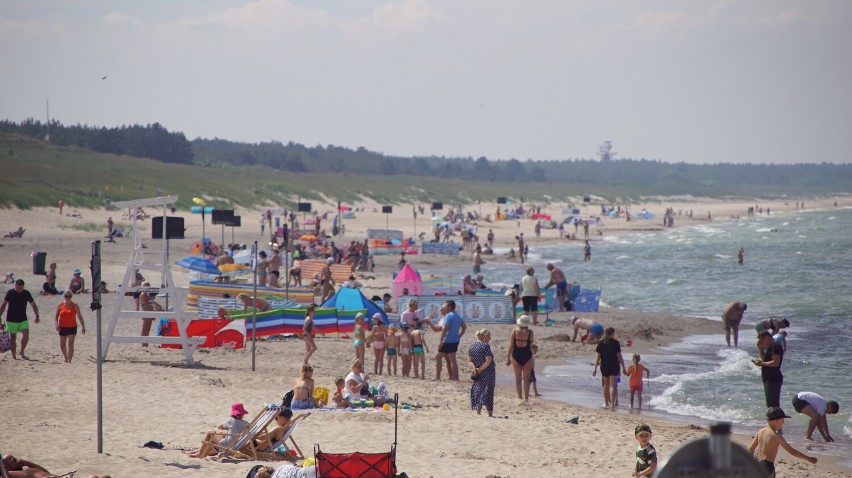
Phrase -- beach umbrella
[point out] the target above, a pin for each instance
(199, 265)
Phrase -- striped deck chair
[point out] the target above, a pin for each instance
(243, 446)
(296, 452)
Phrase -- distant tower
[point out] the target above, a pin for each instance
(605, 151)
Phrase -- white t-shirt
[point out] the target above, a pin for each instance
(235, 427)
(359, 380)
(410, 318)
(814, 400)
(528, 286)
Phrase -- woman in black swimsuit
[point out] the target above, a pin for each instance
(609, 359)
(520, 355)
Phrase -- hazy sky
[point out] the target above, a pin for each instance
(693, 81)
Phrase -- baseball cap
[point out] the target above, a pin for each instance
(774, 413)
(642, 428)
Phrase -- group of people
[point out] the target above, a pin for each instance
(77, 285)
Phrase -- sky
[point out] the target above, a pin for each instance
(759, 81)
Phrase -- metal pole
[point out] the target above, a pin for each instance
(202, 232)
(96, 306)
(254, 309)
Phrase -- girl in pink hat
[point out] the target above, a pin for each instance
(234, 426)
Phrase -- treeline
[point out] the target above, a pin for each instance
(151, 141)
(155, 142)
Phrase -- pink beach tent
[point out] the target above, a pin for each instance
(407, 279)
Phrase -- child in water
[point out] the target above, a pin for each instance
(635, 372)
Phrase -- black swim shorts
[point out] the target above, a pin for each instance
(530, 303)
(66, 331)
(799, 404)
(448, 348)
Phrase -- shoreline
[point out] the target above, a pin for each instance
(150, 395)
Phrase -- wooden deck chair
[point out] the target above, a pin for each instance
(243, 447)
(288, 435)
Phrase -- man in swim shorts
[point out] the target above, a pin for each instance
(594, 330)
(16, 319)
(452, 329)
(557, 277)
(731, 318)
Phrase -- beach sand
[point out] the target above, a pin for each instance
(49, 411)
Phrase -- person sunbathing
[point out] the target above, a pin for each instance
(269, 441)
(19, 468)
(234, 427)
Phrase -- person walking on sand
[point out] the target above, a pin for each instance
(530, 291)
(611, 362)
(16, 319)
(731, 318)
(766, 442)
(816, 408)
(60, 205)
(67, 315)
(771, 357)
(308, 333)
(520, 356)
(110, 226)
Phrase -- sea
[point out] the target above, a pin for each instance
(798, 266)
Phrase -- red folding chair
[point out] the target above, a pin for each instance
(357, 464)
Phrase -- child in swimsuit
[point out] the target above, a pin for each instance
(338, 398)
(419, 357)
(534, 348)
(358, 341)
(392, 341)
(377, 339)
(405, 349)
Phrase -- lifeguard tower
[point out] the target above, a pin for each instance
(156, 262)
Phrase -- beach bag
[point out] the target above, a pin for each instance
(5, 340)
(287, 399)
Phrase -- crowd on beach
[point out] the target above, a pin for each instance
(404, 348)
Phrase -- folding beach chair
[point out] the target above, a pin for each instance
(243, 446)
(288, 435)
(357, 464)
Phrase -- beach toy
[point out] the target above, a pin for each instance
(548, 322)
(629, 342)
(309, 462)
(386, 407)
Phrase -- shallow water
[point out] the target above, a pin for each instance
(797, 266)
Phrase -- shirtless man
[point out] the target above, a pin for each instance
(326, 282)
(594, 330)
(557, 278)
(18, 468)
(255, 303)
(731, 318)
(767, 441)
(419, 349)
(274, 268)
(477, 260)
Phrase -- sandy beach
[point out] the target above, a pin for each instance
(149, 394)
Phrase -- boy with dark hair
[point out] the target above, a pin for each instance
(646, 454)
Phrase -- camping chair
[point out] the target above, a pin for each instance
(357, 464)
(288, 435)
(243, 446)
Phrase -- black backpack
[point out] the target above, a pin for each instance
(287, 399)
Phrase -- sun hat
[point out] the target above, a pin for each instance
(642, 428)
(359, 314)
(774, 413)
(77, 272)
(523, 321)
(238, 409)
(377, 316)
(330, 260)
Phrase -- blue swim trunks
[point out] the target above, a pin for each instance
(562, 288)
(596, 329)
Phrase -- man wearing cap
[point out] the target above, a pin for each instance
(771, 356)
(767, 440)
(731, 318)
(16, 320)
(815, 407)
